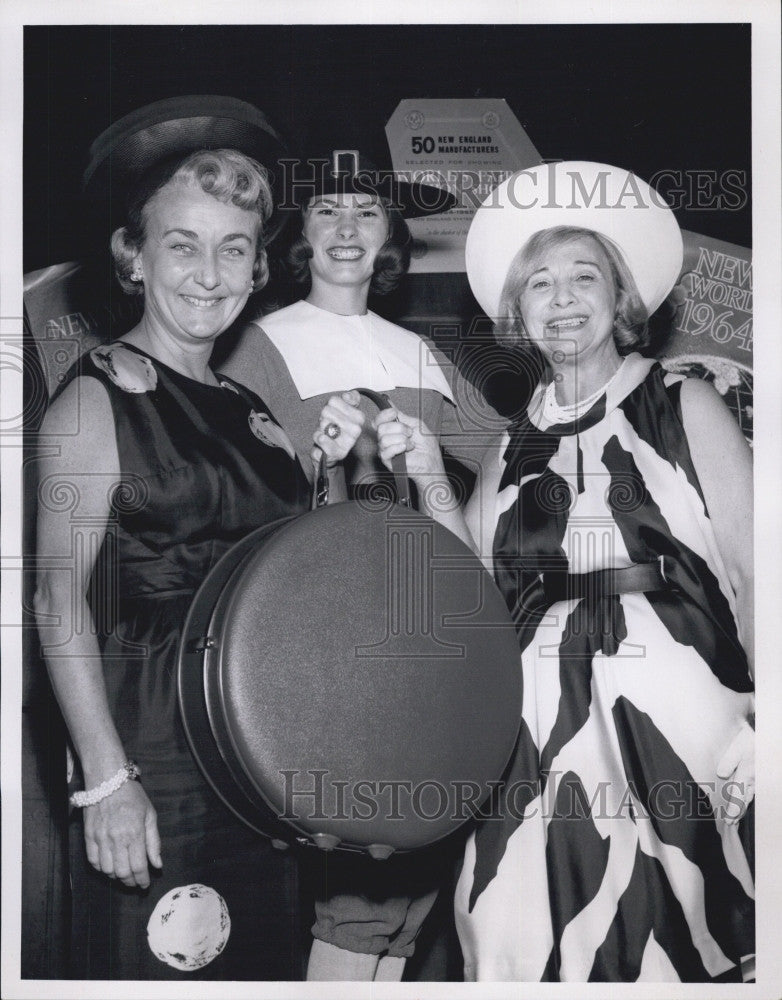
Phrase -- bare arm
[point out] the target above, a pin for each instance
(479, 512)
(120, 831)
(723, 462)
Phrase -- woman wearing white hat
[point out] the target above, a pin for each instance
(617, 516)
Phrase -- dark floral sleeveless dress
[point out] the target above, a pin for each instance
(606, 855)
(201, 466)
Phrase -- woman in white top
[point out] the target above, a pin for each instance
(354, 241)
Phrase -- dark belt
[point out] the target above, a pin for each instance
(604, 582)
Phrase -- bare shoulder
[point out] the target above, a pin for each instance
(80, 421)
(707, 419)
(697, 392)
(723, 462)
(84, 397)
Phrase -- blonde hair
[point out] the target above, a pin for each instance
(226, 174)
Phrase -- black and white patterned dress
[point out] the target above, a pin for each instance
(607, 856)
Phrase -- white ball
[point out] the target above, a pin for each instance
(189, 927)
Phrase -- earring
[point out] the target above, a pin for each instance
(135, 275)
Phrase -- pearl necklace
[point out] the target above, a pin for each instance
(565, 413)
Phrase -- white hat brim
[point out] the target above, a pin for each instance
(608, 200)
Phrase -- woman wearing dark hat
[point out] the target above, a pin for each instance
(353, 241)
(617, 515)
(168, 464)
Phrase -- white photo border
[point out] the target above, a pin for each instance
(764, 17)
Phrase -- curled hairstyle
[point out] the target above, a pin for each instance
(630, 328)
(391, 262)
(226, 174)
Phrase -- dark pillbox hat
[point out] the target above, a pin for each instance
(177, 126)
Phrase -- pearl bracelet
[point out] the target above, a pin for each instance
(128, 772)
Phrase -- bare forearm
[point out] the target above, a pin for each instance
(120, 829)
(74, 664)
(438, 500)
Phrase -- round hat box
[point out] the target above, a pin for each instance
(350, 678)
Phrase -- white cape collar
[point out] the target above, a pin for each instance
(326, 352)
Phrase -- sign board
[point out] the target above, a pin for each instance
(468, 146)
(712, 337)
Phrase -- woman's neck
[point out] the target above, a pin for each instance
(581, 377)
(191, 360)
(345, 300)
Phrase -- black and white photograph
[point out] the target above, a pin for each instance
(391, 558)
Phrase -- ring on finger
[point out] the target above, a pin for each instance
(332, 431)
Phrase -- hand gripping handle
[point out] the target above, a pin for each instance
(398, 462)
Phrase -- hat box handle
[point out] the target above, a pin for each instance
(398, 462)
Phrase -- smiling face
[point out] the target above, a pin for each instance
(568, 300)
(197, 261)
(345, 232)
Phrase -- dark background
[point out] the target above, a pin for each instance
(646, 97)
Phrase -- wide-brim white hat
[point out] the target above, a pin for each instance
(609, 200)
